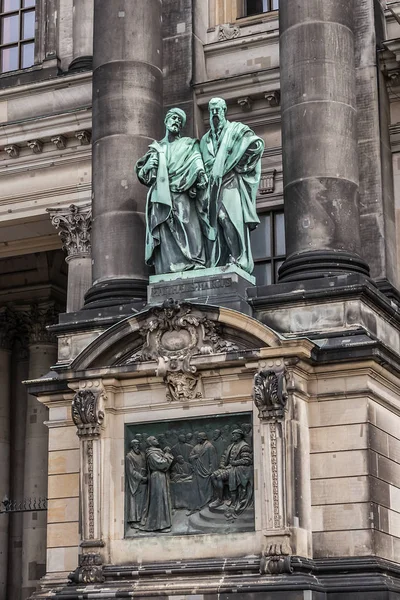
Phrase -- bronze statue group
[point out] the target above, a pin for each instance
(190, 475)
(201, 204)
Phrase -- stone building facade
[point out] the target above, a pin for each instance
(304, 366)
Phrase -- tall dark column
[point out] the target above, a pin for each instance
(319, 139)
(127, 116)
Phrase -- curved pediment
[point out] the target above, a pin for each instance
(172, 334)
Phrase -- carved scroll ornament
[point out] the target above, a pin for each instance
(85, 413)
(174, 334)
(270, 395)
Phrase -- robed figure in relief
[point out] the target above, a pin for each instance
(136, 475)
(178, 233)
(157, 515)
(232, 158)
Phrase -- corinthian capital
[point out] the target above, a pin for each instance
(8, 328)
(36, 320)
(74, 226)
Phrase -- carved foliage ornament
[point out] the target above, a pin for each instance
(174, 334)
(276, 559)
(74, 224)
(270, 395)
(228, 32)
(85, 413)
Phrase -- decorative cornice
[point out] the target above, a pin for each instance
(59, 141)
(86, 415)
(245, 103)
(35, 145)
(267, 183)
(74, 225)
(273, 98)
(12, 150)
(270, 395)
(84, 136)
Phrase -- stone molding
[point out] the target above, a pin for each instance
(276, 558)
(273, 98)
(182, 386)
(35, 145)
(90, 570)
(12, 150)
(228, 32)
(84, 137)
(74, 226)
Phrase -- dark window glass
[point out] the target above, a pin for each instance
(255, 7)
(268, 246)
(17, 35)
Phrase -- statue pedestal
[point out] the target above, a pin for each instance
(219, 286)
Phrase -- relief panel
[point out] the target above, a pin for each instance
(192, 476)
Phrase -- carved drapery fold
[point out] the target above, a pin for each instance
(74, 225)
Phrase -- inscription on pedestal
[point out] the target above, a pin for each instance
(190, 287)
(189, 476)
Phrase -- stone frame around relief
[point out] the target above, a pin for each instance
(184, 489)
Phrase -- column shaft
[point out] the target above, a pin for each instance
(320, 163)
(41, 356)
(19, 373)
(127, 116)
(82, 34)
(5, 356)
(79, 281)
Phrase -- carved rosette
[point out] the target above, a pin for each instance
(270, 395)
(174, 334)
(86, 415)
(74, 225)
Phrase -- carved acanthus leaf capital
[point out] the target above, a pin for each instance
(270, 395)
(8, 328)
(74, 225)
(35, 323)
(86, 414)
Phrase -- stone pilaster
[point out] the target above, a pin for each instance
(7, 330)
(319, 137)
(88, 417)
(82, 34)
(74, 225)
(42, 354)
(127, 116)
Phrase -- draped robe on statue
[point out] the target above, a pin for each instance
(177, 227)
(204, 461)
(157, 513)
(135, 464)
(233, 165)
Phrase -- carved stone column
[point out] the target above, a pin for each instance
(82, 34)
(319, 139)
(42, 354)
(74, 225)
(270, 397)
(88, 416)
(127, 116)
(6, 340)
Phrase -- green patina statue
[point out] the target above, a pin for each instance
(178, 232)
(232, 157)
(201, 204)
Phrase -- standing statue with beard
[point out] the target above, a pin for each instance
(157, 515)
(232, 157)
(178, 233)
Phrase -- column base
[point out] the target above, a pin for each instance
(115, 292)
(321, 263)
(82, 63)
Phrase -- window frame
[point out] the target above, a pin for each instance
(273, 259)
(21, 41)
(241, 10)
